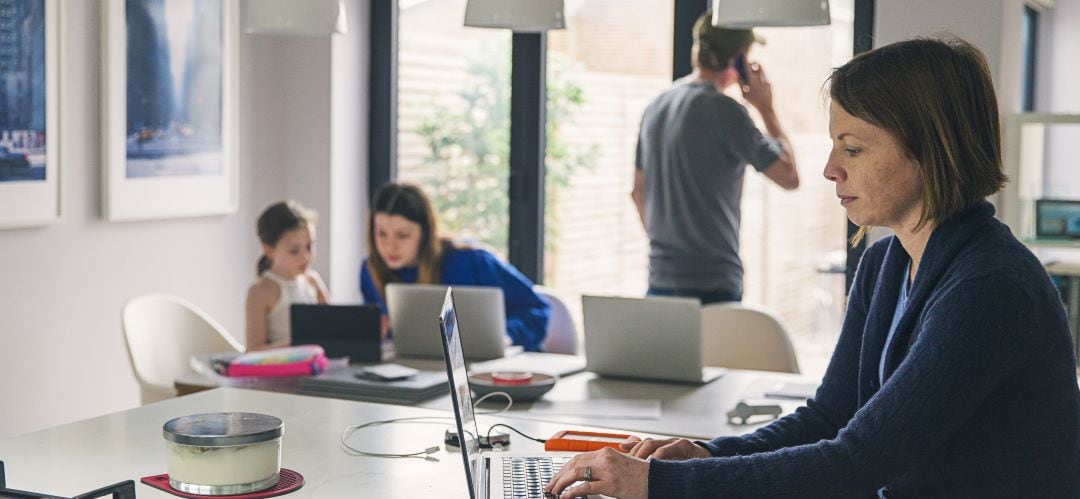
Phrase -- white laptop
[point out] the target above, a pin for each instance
(497, 474)
(655, 338)
(481, 311)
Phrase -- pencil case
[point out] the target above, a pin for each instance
(300, 360)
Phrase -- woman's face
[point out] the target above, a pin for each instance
(397, 239)
(875, 180)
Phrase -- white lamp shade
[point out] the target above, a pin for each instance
(524, 16)
(296, 17)
(743, 14)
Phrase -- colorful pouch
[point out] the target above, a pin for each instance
(300, 360)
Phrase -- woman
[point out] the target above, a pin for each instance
(404, 246)
(954, 375)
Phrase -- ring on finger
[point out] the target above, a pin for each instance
(588, 474)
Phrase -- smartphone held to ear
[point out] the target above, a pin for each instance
(741, 69)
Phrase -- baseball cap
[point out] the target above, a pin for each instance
(723, 42)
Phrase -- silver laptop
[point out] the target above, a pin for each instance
(480, 311)
(499, 474)
(655, 338)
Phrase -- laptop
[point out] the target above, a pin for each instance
(341, 330)
(480, 311)
(499, 474)
(654, 338)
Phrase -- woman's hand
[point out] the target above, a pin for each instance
(609, 471)
(672, 449)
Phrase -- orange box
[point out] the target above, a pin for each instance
(584, 441)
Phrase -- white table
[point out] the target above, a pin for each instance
(82, 456)
(691, 411)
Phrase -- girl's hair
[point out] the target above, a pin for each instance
(408, 201)
(275, 221)
(935, 97)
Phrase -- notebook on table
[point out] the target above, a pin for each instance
(344, 383)
(499, 474)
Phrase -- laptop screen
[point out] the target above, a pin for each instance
(458, 377)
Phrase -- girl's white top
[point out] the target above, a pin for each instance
(298, 290)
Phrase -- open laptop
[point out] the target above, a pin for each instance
(342, 330)
(500, 474)
(480, 311)
(654, 338)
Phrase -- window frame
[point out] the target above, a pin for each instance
(528, 120)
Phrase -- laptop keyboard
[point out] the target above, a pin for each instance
(525, 477)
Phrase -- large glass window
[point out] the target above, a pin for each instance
(454, 118)
(792, 242)
(610, 62)
(613, 57)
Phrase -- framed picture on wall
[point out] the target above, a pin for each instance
(29, 98)
(169, 108)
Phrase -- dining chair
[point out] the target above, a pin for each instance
(162, 333)
(744, 337)
(562, 336)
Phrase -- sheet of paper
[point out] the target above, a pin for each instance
(791, 390)
(600, 408)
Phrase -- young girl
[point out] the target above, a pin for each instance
(287, 233)
(404, 246)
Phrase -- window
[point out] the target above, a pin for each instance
(613, 57)
(791, 242)
(454, 118)
(1029, 33)
(453, 132)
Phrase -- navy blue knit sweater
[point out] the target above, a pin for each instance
(980, 395)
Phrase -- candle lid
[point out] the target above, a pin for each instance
(222, 429)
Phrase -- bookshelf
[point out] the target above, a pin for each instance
(1025, 164)
(1026, 160)
(1066, 277)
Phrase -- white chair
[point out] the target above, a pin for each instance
(162, 332)
(562, 335)
(741, 337)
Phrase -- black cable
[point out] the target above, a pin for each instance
(515, 430)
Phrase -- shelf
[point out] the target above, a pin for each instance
(1053, 243)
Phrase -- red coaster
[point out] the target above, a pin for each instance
(290, 481)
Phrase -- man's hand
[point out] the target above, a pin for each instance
(759, 92)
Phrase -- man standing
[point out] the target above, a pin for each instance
(693, 148)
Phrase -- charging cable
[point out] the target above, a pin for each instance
(509, 402)
(426, 454)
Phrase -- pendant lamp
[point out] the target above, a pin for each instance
(522, 16)
(743, 14)
(296, 17)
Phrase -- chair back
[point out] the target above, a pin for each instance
(742, 337)
(562, 334)
(161, 333)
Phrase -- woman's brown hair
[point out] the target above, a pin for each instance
(410, 202)
(936, 98)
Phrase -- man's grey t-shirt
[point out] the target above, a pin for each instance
(693, 147)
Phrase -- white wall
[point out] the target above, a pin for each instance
(991, 25)
(62, 355)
